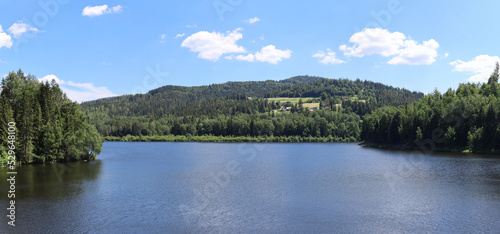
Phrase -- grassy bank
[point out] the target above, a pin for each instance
(208, 138)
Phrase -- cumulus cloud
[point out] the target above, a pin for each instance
(49, 78)
(272, 55)
(116, 9)
(19, 28)
(268, 54)
(380, 41)
(415, 54)
(252, 20)
(327, 57)
(79, 92)
(481, 67)
(374, 41)
(180, 35)
(5, 40)
(212, 45)
(92, 11)
(248, 58)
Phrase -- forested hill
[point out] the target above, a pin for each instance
(177, 110)
(465, 119)
(299, 86)
(217, 98)
(249, 88)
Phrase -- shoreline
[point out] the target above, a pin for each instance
(230, 139)
(460, 150)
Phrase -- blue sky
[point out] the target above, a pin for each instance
(104, 48)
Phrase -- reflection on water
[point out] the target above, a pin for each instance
(209, 187)
(53, 181)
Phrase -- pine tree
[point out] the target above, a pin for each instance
(494, 76)
(6, 116)
(26, 120)
(488, 137)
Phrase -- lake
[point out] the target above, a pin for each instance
(259, 188)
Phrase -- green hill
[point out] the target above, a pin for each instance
(226, 109)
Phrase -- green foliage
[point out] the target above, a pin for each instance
(209, 138)
(465, 119)
(451, 136)
(50, 127)
(3, 155)
(225, 109)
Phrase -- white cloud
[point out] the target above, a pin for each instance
(267, 54)
(481, 66)
(374, 41)
(272, 55)
(327, 57)
(381, 41)
(446, 55)
(252, 20)
(80, 92)
(180, 35)
(415, 54)
(100, 10)
(162, 38)
(18, 28)
(212, 45)
(5, 40)
(117, 9)
(248, 58)
(192, 26)
(49, 78)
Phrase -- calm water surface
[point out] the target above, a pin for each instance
(259, 188)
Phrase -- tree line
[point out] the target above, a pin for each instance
(464, 119)
(226, 110)
(50, 127)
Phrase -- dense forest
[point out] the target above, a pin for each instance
(48, 126)
(52, 128)
(237, 109)
(466, 119)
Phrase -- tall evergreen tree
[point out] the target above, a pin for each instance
(49, 126)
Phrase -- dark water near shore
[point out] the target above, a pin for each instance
(258, 188)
